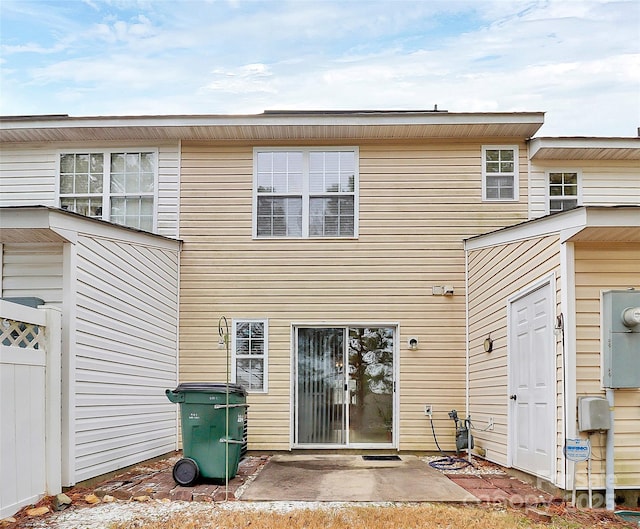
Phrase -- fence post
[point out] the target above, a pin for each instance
(53, 402)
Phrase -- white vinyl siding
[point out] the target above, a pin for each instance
(500, 172)
(125, 332)
(32, 270)
(602, 183)
(29, 176)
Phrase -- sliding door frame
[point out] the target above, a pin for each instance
(394, 443)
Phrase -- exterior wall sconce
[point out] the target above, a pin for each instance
(412, 343)
(488, 344)
(442, 290)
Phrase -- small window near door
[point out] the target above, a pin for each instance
(249, 348)
(564, 191)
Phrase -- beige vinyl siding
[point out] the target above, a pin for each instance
(125, 354)
(601, 267)
(32, 270)
(416, 205)
(604, 183)
(28, 177)
(491, 284)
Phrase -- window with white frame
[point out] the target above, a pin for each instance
(307, 192)
(117, 186)
(500, 172)
(564, 190)
(250, 352)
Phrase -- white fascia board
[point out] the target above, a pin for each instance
(552, 224)
(275, 118)
(24, 218)
(536, 144)
(70, 225)
(566, 225)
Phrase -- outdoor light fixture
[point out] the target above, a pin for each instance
(412, 343)
(488, 344)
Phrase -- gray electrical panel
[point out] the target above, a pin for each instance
(621, 333)
(593, 414)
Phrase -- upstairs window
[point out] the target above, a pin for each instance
(114, 186)
(564, 191)
(500, 173)
(302, 193)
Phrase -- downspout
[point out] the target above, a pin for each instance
(466, 317)
(610, 503)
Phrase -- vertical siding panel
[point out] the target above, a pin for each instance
(417, 204)
(601, 267)
(126, 354)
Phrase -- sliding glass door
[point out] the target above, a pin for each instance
(344, 386)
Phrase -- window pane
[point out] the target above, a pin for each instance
(571, 190)
(571, 178)
(132, 183)
(250, 373)
(242, 346)
(95, 183)
(493, 167)
(242, 329)
(555, 191)
(81, 183)
(279, 217)
(500, 187)
(147, 162)
(117, 163)
(506, 155)
(82, 163)
(257, 329)
(257, 347)
(555, 178)
(331, 216)
(66, 184)
(117, 183)
(67, 162)
(492, 155)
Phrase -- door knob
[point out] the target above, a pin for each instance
(514, 397)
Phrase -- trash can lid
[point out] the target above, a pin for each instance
(210, 387)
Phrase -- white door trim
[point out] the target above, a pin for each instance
(548, 280)
(294, 381)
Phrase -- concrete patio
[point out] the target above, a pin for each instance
(294, 477)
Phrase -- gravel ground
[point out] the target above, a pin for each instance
(101, 515)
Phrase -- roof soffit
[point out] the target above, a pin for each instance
(275, 127)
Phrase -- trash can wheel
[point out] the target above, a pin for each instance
(186, 472)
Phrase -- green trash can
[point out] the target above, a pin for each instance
(205, 439)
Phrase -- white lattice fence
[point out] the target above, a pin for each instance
(20, 334)
(29, 394)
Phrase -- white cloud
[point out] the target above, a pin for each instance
(576, 59)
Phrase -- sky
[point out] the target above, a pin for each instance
(576, 60)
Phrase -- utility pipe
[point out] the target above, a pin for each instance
(610, 502)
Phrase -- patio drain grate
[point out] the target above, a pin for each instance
(381, 458)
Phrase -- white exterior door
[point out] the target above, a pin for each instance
(532, 381)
